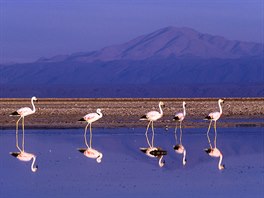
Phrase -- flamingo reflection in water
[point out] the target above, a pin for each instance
(179, 148)
(214, 151)
(89, 151)
(22, 155)
(151, 151)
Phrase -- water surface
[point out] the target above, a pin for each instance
(126, 172)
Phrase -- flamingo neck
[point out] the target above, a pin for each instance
(32, 102)
(220, 161)
(184, 110)
(160, 161)
(99, 159)
(220, 107)
(34, 169)
(161, 112)
(184, 157)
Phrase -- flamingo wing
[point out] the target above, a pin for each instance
(24, 111)
(178, 116)
(91, 117)
(153, 115)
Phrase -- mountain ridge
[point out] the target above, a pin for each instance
(169, 41)
(147, 66)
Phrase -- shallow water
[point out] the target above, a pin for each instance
(127, 172)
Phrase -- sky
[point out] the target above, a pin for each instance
(30, 29)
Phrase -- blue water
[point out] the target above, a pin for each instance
(127, 172)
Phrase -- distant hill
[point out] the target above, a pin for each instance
(170, 41)
(153, 65)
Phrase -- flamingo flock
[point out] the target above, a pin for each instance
(151, 151)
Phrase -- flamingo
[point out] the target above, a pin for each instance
(24, 156)
(92, 153)
(22, 112)
(179, 148)
(151, 117)
(90, 118)
(214, 116)
(89, 151)
(215, 152)
(155, 152)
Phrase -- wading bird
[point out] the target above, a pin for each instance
(179, 148)
(151, 117)
(155, 152)
(92, 153)
(22, 112)
(89, 151)
(215, 152)
(24, 156)
(214, 116)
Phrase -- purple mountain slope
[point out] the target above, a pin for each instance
(169, 62)
(170, 41)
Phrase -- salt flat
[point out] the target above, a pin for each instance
(125, 112)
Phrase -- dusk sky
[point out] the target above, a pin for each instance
(30, 29)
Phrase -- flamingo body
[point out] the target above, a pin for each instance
(179, 148)
(92, 117)
(215, 152)
(92, 153)
(25, 111)
(155, 152)
(24, 156)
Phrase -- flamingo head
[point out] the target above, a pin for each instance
(161, 104)
(34, 169)
(161, 162)
(221, 100)
(99, 158)
(98, 110)
(221, 167)
(34, 98)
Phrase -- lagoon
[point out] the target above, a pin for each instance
(127, 172)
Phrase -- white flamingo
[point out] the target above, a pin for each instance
(155, 152)
(215, 152)
(22, 112)
(179, 148)
(89, 151)
(214, 116)
(151, 117)
(24, 156)
(92, 153)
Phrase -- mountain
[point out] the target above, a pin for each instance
(170, 41)
(170, 62)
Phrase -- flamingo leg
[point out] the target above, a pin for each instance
(147, 134)
(215, 134)
(181, 132)
(208, 134)
(175, 133)
(17, 134)
(152, 134)
(23, 137)
(91, 135)
(85, 139)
